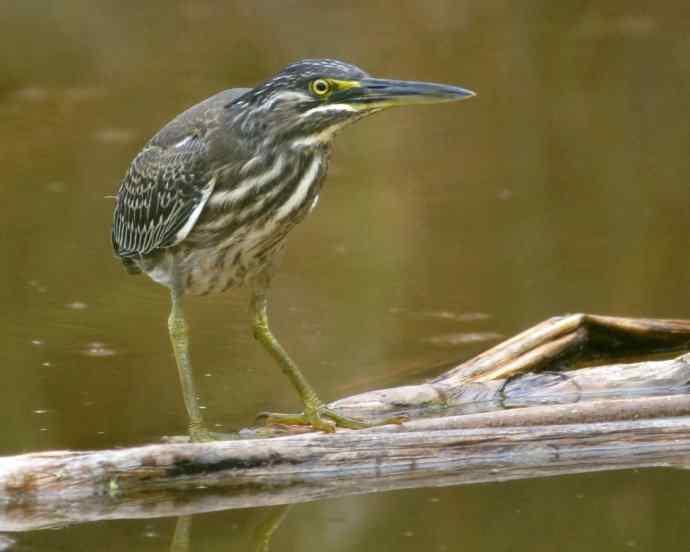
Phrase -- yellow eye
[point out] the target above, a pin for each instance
(320, 87)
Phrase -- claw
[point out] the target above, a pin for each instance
(327, 426)
(200, 434)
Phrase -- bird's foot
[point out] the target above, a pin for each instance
(199, 433)
(322, 418)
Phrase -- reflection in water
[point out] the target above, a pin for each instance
(6, 543)
(182, 536)
(264, 532)
(182, 541)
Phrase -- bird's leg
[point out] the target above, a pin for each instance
(316, 413)
(177, 327)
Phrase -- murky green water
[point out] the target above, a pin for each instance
(562, 187)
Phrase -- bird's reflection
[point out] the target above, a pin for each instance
(181, 541)
(264, 532)
(181, 537)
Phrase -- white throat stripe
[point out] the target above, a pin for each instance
(300, 193)
(229, 196)
(328, 107)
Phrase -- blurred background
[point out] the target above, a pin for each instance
(562, 187)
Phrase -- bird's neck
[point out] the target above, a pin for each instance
(294, 150)
(274, 134)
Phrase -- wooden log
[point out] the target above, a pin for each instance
(586, 335)
(595, 418)
(299, 468)
(572, 386)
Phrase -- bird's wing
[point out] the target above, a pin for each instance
(159, 194)
(168, 183)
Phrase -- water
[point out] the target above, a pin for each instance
(562, 187)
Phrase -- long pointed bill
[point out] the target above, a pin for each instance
(380, 93)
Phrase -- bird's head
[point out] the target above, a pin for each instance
(308, 101)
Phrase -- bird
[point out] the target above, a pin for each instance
(208, 202)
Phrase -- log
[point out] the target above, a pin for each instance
(300, 468)
(459, 432)
(570, 386)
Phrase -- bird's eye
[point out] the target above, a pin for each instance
(320, 87)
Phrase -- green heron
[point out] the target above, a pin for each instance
(208, 202)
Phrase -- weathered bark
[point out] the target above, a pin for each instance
(570, 386)
(585, 420)
(238, 474)
(481, 381)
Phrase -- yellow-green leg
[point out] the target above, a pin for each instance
(316, 413)
(177, 327)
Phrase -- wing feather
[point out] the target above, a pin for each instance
(157, 196)
(169, 182)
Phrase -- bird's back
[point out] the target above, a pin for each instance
(168, 182)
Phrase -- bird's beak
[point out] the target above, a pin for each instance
(381, 93)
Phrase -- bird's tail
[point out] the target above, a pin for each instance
(130, 266)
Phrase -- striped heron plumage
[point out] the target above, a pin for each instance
(208, 202)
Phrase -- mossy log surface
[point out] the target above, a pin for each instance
(496, 417)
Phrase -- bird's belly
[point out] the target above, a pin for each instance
(215, 271)
(234, 261)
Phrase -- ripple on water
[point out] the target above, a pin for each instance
(38, 286)
(97, 349)
(114, 135)
(462, 338)
(150, 532)
(442, 315)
